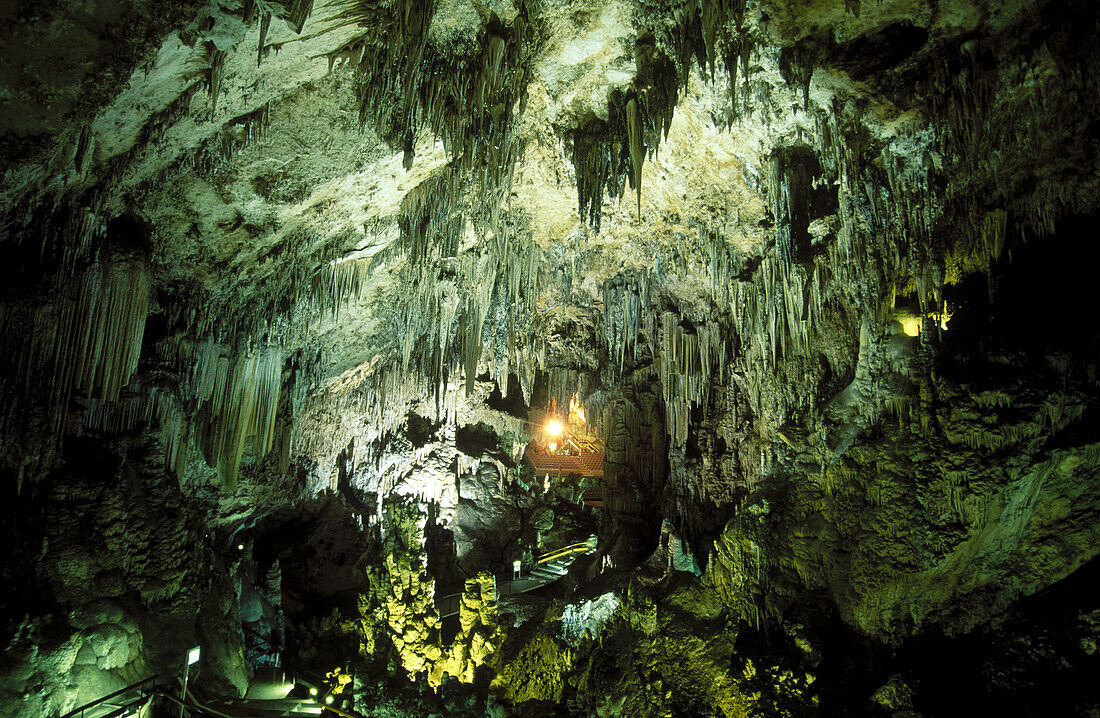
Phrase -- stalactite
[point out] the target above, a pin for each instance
(86, 338)
(703, 32)
(597, 164)
(234, 136)
(627, 314)
(775, 305)
(338, 283)
(122, 415)
(688, 362)
(114, 304)
(230, 402)
(296, 13)
(446, 321)
(214, 74)
(636, 145)
(432, 221)
(468, 102)
(382, 391)
(174, 435)
(265, 25)
(64, 232)
(608, 153)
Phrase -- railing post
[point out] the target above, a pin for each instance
(183, 696)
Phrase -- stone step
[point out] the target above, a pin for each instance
(544, 573)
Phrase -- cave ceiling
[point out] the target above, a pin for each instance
(795, 260)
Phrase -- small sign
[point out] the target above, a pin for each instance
(193, 656)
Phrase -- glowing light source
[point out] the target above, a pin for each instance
(328, 699)
(554, 427)
(312, 691)
(240, 547)
(553, 446)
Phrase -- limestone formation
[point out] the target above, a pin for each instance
(293, 290)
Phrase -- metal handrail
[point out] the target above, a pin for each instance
(80, 711)
(450, 595)
(261, 638)
(565, 551)
(571, 550)
(194, 705)
(341, 711)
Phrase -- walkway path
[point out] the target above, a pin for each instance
(549, 567)
(267, 696)
(266, 699)
(120, 703)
